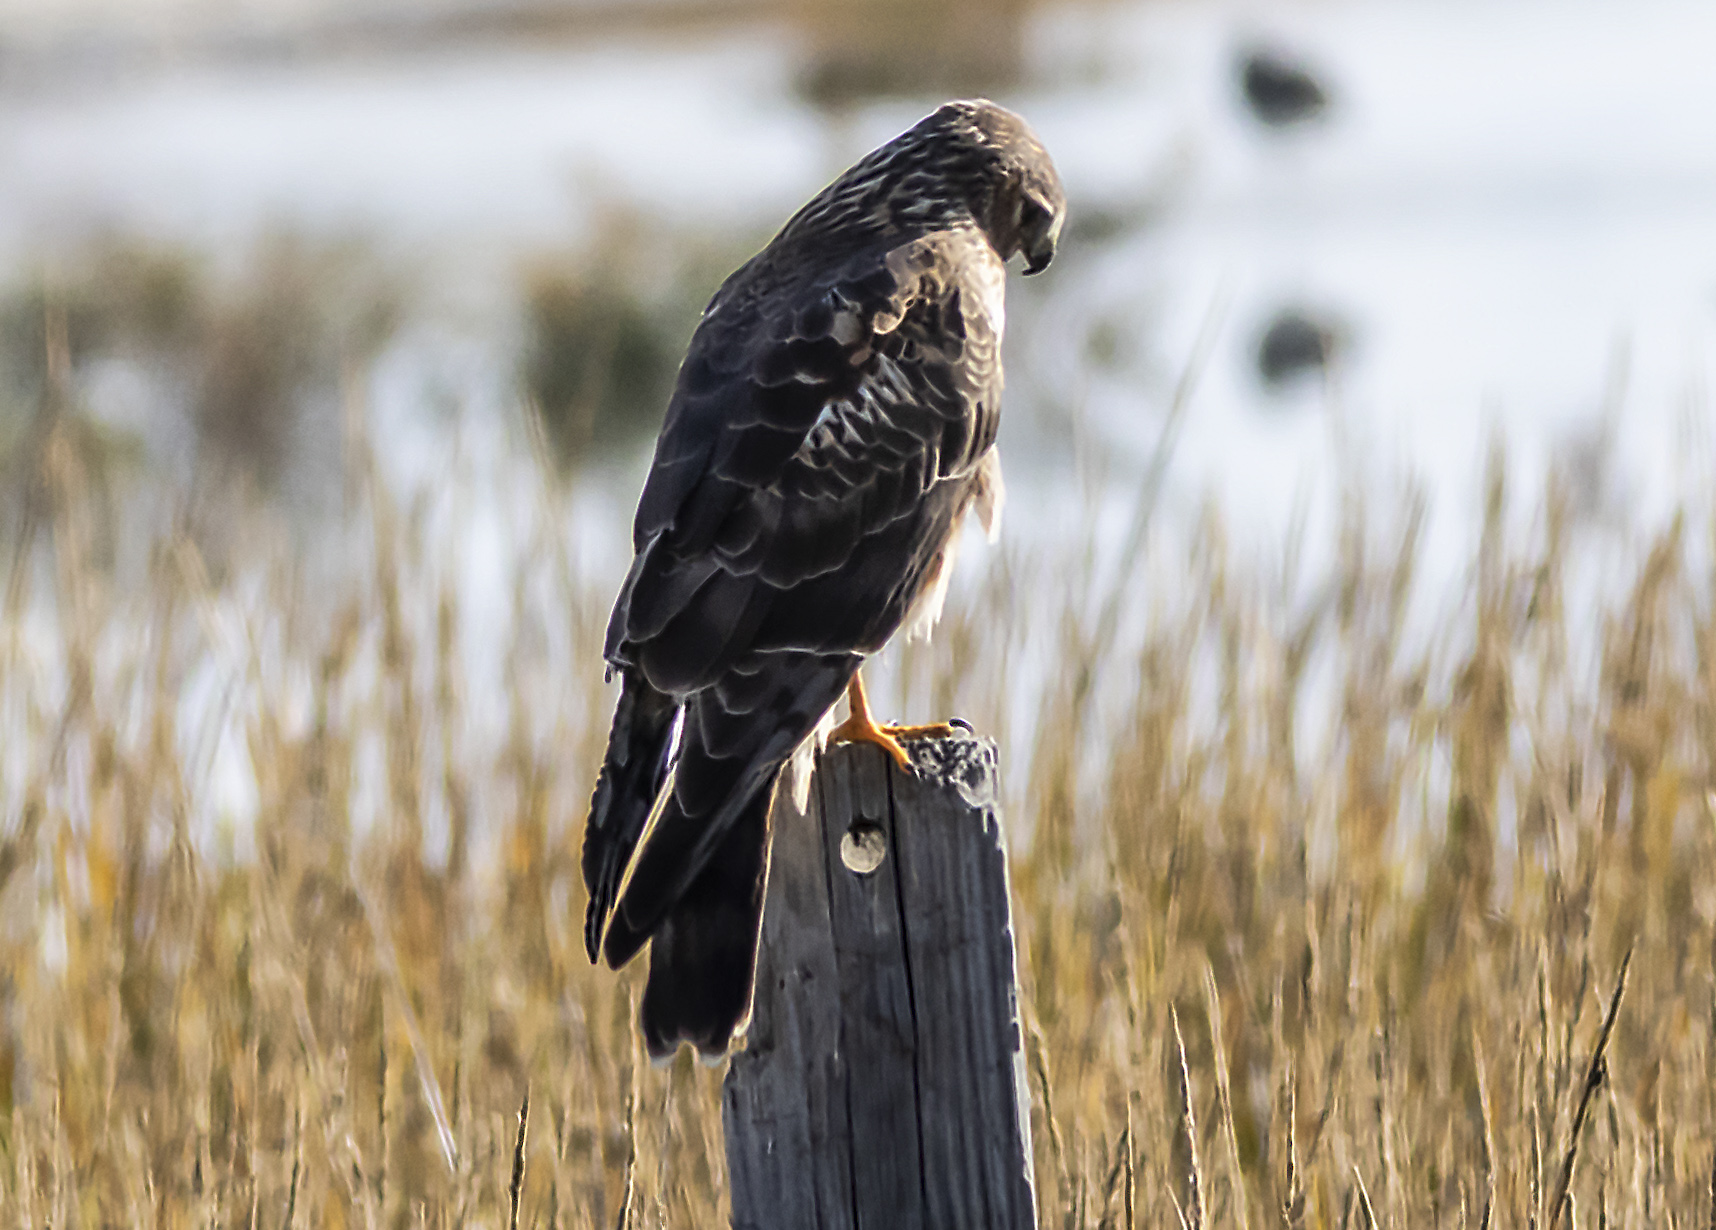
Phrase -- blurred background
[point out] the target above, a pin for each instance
(1349, 642)
(1327, 267)
(1408, 228)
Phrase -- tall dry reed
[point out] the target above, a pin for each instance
(1321, 922)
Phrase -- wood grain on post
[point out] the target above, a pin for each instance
(882, 1082)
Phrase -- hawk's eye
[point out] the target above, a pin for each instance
(1033, 215)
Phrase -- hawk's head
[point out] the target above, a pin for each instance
(1010, 181)
(967, 161)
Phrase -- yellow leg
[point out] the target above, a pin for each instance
(860, 727)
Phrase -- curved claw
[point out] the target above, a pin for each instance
(931, 730)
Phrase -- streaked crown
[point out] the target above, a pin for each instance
(968, 163)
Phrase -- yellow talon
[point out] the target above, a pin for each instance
(860, 727)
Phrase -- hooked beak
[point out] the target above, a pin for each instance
(1039, 254)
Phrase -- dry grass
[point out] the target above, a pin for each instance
(1278, 970)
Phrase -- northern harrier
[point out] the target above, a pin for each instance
(833, 423)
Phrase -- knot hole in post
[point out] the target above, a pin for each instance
(863, 847)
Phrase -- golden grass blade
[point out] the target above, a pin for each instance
(1224, 1096)
(426, 1078)
(516, 1186)
(1188, 1119)
(1595, 1075)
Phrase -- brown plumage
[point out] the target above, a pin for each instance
(834, 420)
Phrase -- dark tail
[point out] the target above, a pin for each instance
(703, 955)
(631, 776)
(693, 889)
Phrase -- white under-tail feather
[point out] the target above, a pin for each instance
(802, 763)
(650, 824)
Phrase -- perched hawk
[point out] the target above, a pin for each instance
(834, 421)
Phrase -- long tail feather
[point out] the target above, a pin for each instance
(704, 953)
(737, 735)
(632, 775)
(690, 883)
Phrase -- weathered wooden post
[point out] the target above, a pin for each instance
(882, 1082)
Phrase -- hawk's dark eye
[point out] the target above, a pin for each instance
(1033, 215)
